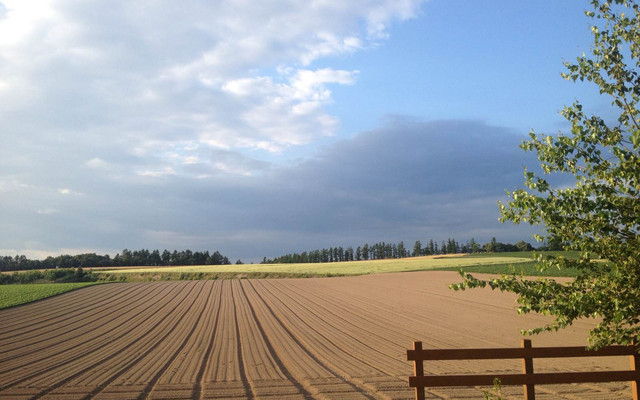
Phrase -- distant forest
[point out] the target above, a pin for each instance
(125, 259)
(378, 251)
(382, 250)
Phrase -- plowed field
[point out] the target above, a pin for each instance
(325, 338)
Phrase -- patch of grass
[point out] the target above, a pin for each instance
(13, 295)
(528, 268)
(525, 254)
(525, 268)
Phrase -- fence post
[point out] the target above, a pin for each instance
(635, 366)
(527, 368)
(418, 370)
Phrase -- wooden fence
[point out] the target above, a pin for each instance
(528, 378)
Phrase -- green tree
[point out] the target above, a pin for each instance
(523, 246)
(401, 252)
(452, 246)
(417, 249)
(365, 251)
(166, 257)
(599, 215)
(492, 246)
(474, 247)
(78, 275)
(433, 248)
(155, 258)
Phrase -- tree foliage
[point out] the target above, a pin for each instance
(599, 215)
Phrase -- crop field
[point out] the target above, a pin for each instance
(337, 268)
(320, 338)
(11, 295)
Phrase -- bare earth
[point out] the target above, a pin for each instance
(325, 338)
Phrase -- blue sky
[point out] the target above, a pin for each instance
(260, 129)
(499, 62)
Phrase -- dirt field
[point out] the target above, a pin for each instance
(325, 338)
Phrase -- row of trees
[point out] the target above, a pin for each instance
(382, 250)
(60, 275)
(126, 258)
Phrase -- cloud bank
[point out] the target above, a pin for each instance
(406, 181)
(165, 76)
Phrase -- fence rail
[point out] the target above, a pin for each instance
(528, 378)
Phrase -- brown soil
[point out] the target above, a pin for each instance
(324, 338)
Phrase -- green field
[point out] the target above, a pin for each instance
(528, 267)
(13, 295)
(329, 269)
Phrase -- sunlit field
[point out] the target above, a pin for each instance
(335, 269)
(12, 295)
(504, 263)
(317, 338)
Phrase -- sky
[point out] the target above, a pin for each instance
(264, 128)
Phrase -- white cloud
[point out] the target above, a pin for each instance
(330, 45)
(231, 169)
(97, 163)
(259, 86)
(22, 19)
(297, 101)
(159, 71)
(191, 160)
(310, 85)
(380, 15)
(166, 171)
(67, 191)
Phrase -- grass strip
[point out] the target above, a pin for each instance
(525, 268)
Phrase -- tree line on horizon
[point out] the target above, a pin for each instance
(382, 250)
(126, 258)
(377, 251)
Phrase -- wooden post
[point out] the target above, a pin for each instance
(527, 368)
(418, 370)
(635, 385)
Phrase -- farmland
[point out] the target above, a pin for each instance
(12, 295)
(325, 338)
(335, 268)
